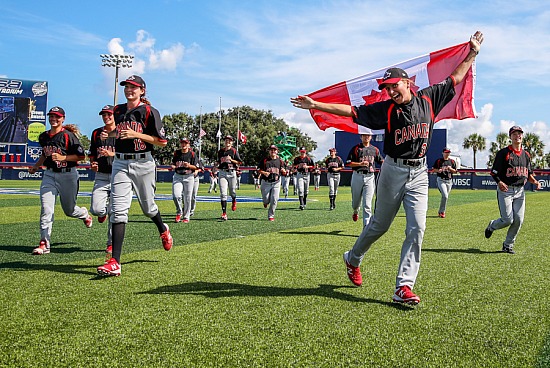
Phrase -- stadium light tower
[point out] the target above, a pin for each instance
(116, 61)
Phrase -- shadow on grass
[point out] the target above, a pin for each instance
(226, 290)
(62, 268)
(55, 248)
(469, 250)
(334, 232)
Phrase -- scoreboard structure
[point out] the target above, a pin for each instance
(23, 107)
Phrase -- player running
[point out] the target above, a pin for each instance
(184, 163)
(334, 165)
(404, 176)
(303, 165)
(61, 150)
(511, 170)
(444, 168)
(102, 153)
(228, 161)
(138, 128)
(271, 168)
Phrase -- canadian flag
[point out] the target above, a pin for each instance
(423, 71)
(202, 133)
(242, 137)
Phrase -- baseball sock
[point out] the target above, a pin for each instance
(305, 199)
(224, 206)
(301, 200)
(158, 221)
(118, 237)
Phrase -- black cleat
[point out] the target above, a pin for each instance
(488, 231)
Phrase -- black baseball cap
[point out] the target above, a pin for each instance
(446, 149)
(303, 149)
(332, 149)
(184, 139)
(392, 76)
(228, 137)
(273, 147)
(56, 110)
(136, 80)
(107, 108)
(515, 128)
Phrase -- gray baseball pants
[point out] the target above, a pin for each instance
(100, 204)
(398, 183)
(512, 211)
(228, 183)
(64, 185)
(194, 196)
(333, 183)
(302, 180)
(270, 195)
(363, 187)
(444, 186)
(182, 189)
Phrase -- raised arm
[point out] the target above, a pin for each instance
(306, 102)
(461, 70)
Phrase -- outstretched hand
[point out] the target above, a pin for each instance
(302, 102)
(476, 40)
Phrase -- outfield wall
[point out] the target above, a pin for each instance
(468, 179)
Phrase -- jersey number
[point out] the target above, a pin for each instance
(139, 145)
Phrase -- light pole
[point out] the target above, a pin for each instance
(116, 61)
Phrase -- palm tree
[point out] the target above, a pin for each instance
(503, 140)
(476, 143)
(534, 146)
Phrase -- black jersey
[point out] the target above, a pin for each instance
(301, 164)
(142, 119)
(408, 127)
(441, 163)
(181, 157)
(512, 167)
(104, 163)
(273, 166)
(214, 172)
(333, 163)
(225, 157)
(65, 143)
(367, 156)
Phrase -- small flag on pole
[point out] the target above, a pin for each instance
(202, 133)
(242, 137)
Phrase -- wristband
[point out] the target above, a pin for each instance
(476, 52)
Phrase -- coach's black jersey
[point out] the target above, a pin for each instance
(181, 157)
(408, 127)
(65, 143)
(441, 163)
(104, 163)
(225, 156)
(512, 167)
(333, 163)
(273, 166)
(143, 119)
(301, 164)
(367, 156)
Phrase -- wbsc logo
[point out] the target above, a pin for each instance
(26, 175)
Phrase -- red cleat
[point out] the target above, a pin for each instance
(355, 217)
(166, 238)
(101, 219)
(88, 221)
(178, 218)
(43, 248)
(234, 205)
(404, 295)
(110, 268)
(354, 273)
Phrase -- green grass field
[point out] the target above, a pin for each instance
(250, 293)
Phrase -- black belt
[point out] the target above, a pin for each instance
(409, 162)
(228, 170)
(130, 156)
(63, 169)
(363, 172)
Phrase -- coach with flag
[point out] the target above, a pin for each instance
(407, 118)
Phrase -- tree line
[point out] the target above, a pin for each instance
(531, 143)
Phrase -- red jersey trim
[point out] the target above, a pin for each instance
(431, 107)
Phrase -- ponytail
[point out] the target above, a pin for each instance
(144, 100)
(73, 128)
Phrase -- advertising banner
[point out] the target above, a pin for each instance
(23, 105)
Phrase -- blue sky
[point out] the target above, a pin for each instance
(260, 53)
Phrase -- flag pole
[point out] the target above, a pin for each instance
(238, 129)
(200, 131)
(220, 125)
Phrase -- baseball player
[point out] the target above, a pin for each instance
(444, 168)
(138, 128)
(271, 168)
(316, 176)
(511, 170)
(361, 159)
(61, 150)
(102, 152)
(303, 165)
(256, 177)
(184, 164)
(228, 160)
(213, 178)
(334, 165)
(404, 174)
(294, 174)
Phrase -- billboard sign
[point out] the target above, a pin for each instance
(23, 107)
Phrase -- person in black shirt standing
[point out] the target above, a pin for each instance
(303, 165)
(404, 175)
(361, 159)
(444, 168)
(334, 165)
(511, 170)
